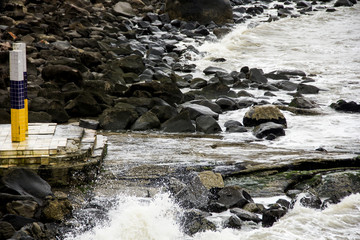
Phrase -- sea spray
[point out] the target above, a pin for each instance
(136, 218)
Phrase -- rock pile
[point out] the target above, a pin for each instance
(121, 63)
(29, 208)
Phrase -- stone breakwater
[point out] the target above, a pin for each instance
(122, 64)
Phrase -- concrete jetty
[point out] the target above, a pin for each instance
(60, 154)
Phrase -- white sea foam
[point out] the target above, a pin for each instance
(326, 45)
(157, 218)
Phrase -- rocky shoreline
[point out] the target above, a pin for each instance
(119, 66)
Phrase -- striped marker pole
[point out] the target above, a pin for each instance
(18, 128)
(22, 47)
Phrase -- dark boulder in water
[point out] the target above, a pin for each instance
(272, 215)
(344, 106)
(269, 128)
(307, 89)
(207, 124)
(147, 121)
(343, 3)
(202, 11)
(301, 102)
(233, 222)
(194, 222)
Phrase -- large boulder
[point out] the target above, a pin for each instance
(83, 105)
(202, 11)
(262, 114)
(194, 222)
(245, 215)
(120, 117)
(271, 215)
(147, 121)
(61, 75)
(166, 91)
(28, 183)
(344, 106)
(197, 110)
(269, 130)
(211, 180)
(194, 194)
(234, 196)
(179, 123)
(132, 63)
(164, 113)
(57, 112)
(207, 124)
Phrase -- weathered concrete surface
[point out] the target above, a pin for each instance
(60, 154)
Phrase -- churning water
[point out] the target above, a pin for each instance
(325, 45)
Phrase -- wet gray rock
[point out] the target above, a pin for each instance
(166, 91)
(307, 89)
(207, 124)
(197, 110)
(120, 117)
(146, 121)
(180, 123)
(194, 194)
(308, 199)
(344, 106)
(198, 83)
(234, 196)
(301, 102)
(61, 75)
(194, 222)
(213, 70)
(164, 113)
(257, 76)
(269, 128)
(286, 85)
(226, 103)
(262, 114)
(233, 222)
(338, 184)
(270, 216)
(244, 93)
(132, 63)
(216, 90)
(344, 3)
(83, 105)
(245, 215)
(207, 103)
(27, 183)
(202, 11)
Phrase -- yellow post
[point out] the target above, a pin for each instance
(22, 47)
(18, 128)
